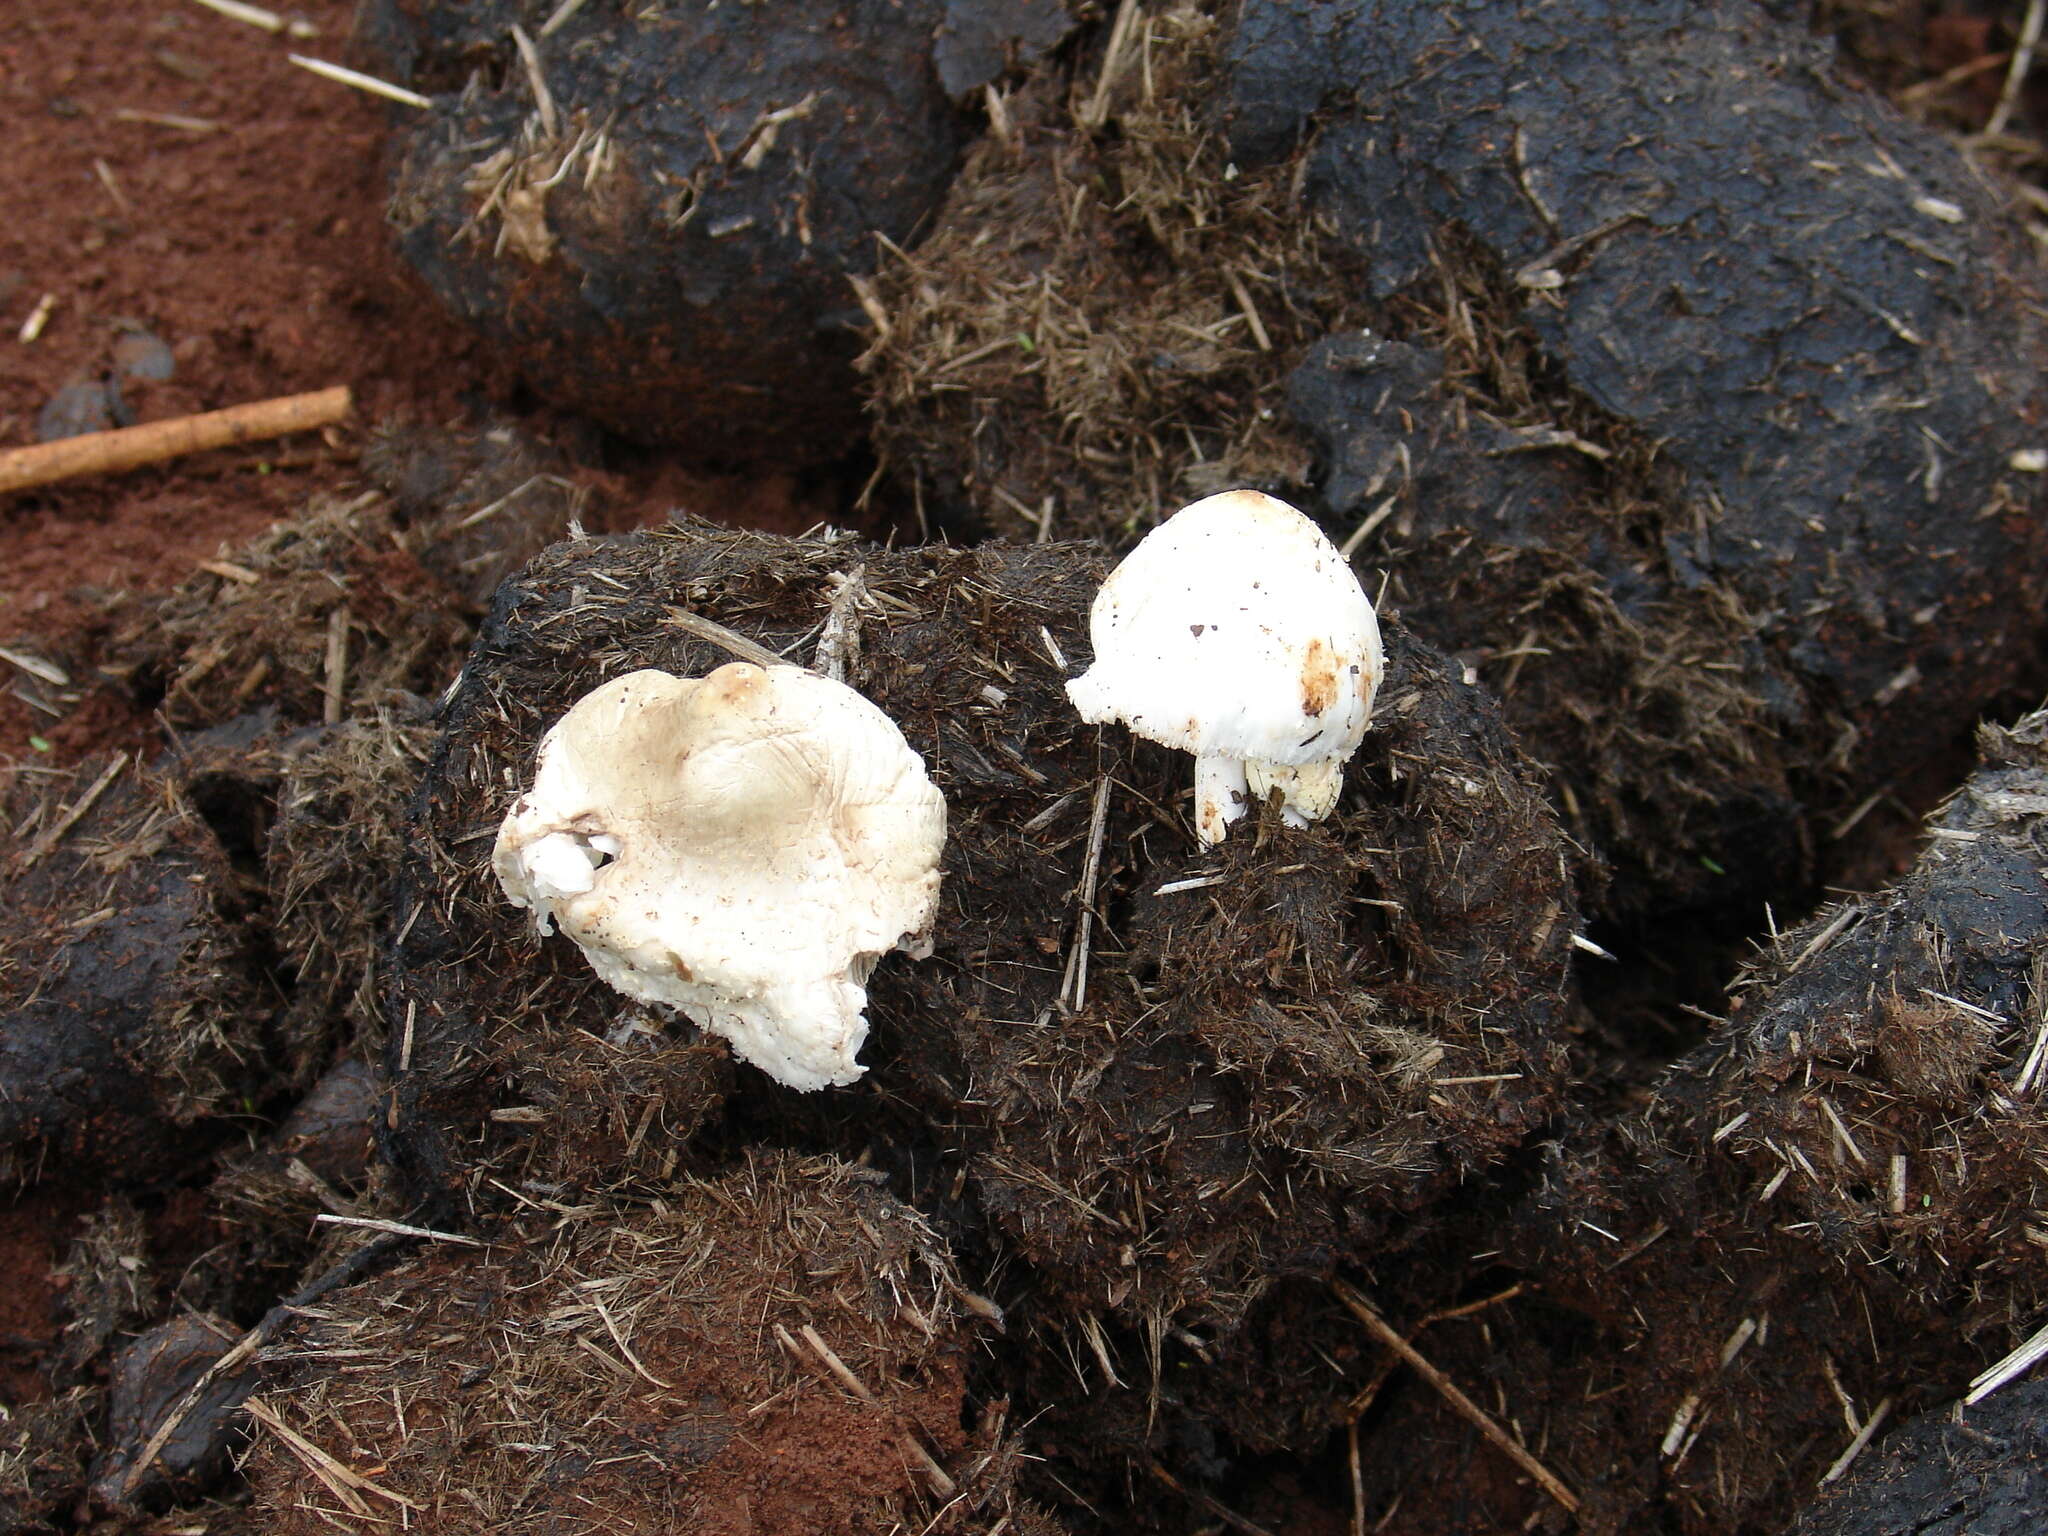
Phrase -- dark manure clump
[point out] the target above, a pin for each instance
(1980, 1470)
(1101, 321)
(1889, 1057)
(780, 1349)
(653, 214)
(129, 1007)
(1738, 514)
(1162, 1078)
(1826, 1217)
(181, 1367)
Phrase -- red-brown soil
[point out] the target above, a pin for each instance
(29, 1233)
(255, 250)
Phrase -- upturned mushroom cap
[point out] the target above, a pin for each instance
(1236, 630)
(743, 847)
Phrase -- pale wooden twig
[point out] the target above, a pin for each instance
(731, 640)
(2016, 72)
(257, 16)
(105, 453)
(54, 834)
(361, 82)
(1463, 1405)
(1074, 986)
(400, 1229)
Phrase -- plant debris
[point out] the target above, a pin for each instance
(782, 1348)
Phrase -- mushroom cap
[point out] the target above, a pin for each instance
(1235, 629)
(743, 847)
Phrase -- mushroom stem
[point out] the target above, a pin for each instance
(1219, 796)
(1308, 790)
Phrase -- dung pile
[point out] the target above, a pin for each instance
(1825, 1218)
(186, 990)
(298, 672)
(1775, 488)
(1741, 522)
(1100, 322)
(653, 214)
(783, 1348)
(1163, 1076)
(128, 1004)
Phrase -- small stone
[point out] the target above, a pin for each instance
(139, 354)
(90, 405)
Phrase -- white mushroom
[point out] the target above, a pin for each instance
(743, 847)
(1236, 631)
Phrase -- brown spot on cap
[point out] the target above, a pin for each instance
(737, 682)
(1318, 678)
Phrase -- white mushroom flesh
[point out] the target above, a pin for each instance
(1236, 631)
(743, 847)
